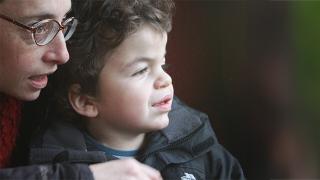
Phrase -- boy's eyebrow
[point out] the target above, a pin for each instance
(141, 59)
(137, 60)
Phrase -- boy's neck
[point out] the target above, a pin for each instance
(117, 140)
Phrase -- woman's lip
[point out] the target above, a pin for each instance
(39, 81)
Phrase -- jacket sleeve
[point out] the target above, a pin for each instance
(48, 172)
(223, 165)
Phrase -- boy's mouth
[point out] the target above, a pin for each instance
(164, 104)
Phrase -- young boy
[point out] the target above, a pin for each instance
(114, 98)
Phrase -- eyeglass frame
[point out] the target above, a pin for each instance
(33, 29)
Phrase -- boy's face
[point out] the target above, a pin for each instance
(135, 93)
(24, 66)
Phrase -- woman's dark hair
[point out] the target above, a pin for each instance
(103, 26)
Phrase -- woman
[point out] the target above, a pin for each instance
(32, 41)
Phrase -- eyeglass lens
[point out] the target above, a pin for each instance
(70, 26)
(46, 31)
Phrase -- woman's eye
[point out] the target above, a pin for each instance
(142, 71)
(43, 29)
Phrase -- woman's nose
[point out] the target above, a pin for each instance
(57, 52)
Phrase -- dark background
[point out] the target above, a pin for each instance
(235, 61)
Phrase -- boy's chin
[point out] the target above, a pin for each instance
(162, 122)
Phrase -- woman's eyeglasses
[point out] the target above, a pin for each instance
(44, 31)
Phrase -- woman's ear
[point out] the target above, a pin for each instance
(81, 103)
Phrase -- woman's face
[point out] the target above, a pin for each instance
(24, 66)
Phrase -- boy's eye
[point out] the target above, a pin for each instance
(165, 67)
(140, 72)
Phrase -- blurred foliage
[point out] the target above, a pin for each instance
(306, 40)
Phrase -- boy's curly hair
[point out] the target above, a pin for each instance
(103, 25)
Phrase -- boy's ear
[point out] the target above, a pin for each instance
(81, 103)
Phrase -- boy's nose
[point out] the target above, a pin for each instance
(57, 52)
(163, 81)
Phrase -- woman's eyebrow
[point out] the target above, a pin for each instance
(40, 16)
(43, 15)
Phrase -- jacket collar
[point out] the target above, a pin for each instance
(62, 142)
(188, 135)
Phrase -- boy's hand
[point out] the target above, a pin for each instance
(124, 169)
